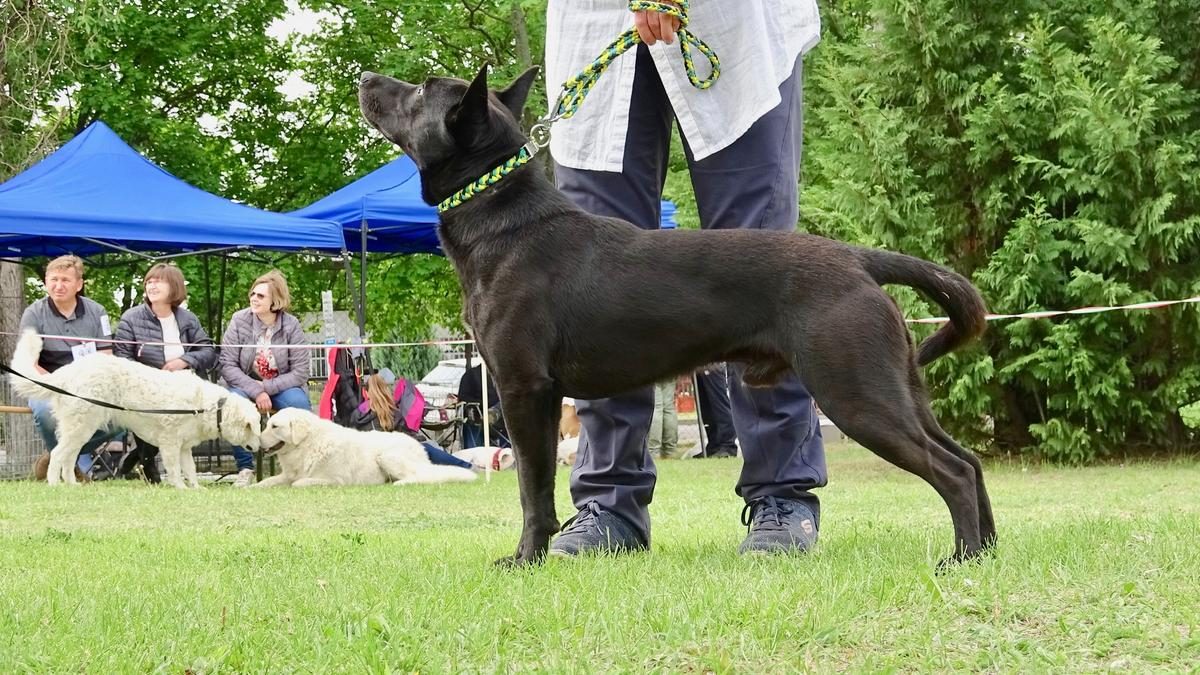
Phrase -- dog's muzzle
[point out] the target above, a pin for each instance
(273, 449)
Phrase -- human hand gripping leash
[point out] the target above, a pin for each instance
(575, 89)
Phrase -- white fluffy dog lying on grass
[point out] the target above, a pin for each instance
(133, 385)
(315, 451)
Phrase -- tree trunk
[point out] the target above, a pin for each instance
(12, 304)
(521, 33)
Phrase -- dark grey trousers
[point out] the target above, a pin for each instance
(750, 184)
(712, 400)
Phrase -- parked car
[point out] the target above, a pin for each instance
(442, 381)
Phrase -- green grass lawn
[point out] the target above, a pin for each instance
(1097, 570)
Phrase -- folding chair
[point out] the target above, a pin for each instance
(110, 456)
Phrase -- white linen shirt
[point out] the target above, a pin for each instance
(757, 42)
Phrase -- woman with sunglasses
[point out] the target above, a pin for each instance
(261, 358)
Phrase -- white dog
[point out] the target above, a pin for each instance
(568, 448)
(132, 385)
(315, 451)
(488, 459)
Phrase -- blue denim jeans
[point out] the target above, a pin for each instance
(288, 398)
(47, 427)
(440, 456)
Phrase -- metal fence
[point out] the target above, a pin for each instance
(20, 443)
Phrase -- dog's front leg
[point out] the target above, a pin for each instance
(189, 469)
(170, 456)
(532, 419)
(313, 482)
(280, 479)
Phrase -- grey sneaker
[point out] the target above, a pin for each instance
(596, 530)
(778, 525)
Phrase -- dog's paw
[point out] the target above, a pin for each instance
(517, 561)
(946, 564)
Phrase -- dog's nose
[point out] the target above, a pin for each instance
(367, 75)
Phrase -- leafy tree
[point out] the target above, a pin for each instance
(38, 40)
(1049, 151)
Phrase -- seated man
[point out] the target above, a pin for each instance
(470, 391)
(66, 312)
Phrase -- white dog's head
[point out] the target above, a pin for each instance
(240, 422)
(286, 430)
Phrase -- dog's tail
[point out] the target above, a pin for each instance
(24, 361)
(950, 290)
(438, 473)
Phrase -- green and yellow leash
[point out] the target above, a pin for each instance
(575, 89)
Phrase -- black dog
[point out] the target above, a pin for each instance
(566, 303)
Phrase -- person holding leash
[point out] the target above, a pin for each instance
(742, 138)
(66, 312)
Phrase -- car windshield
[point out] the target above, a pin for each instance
(445, 374)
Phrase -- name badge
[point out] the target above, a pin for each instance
(82, 349)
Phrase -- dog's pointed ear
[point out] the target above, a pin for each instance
(513, 97)
(471, 113)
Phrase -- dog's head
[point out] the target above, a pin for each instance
(286, 430)
(240, 422)
(449, 127)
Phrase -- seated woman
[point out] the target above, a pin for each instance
(258, 360)
(181, 343)
(379, 412)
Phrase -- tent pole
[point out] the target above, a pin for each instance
(362, 282)
(362, 287)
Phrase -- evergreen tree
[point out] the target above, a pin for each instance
(1048, 151)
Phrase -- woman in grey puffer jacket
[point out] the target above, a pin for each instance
(265, 370)
(184, 343)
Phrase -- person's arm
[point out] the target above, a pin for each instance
(125, 334)
(231, 368)
(296, 374)
(105, 332)
(202, 356)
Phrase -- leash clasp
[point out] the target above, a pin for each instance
(539, 133)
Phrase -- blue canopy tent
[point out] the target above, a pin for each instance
(97, 194)
(383, 212)
(386, 205)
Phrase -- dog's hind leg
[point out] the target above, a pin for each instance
(66, 453)
(402, 472)
(900, 439)
(987, 522)
(428, 475)
(532, 410)
(874, 402)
